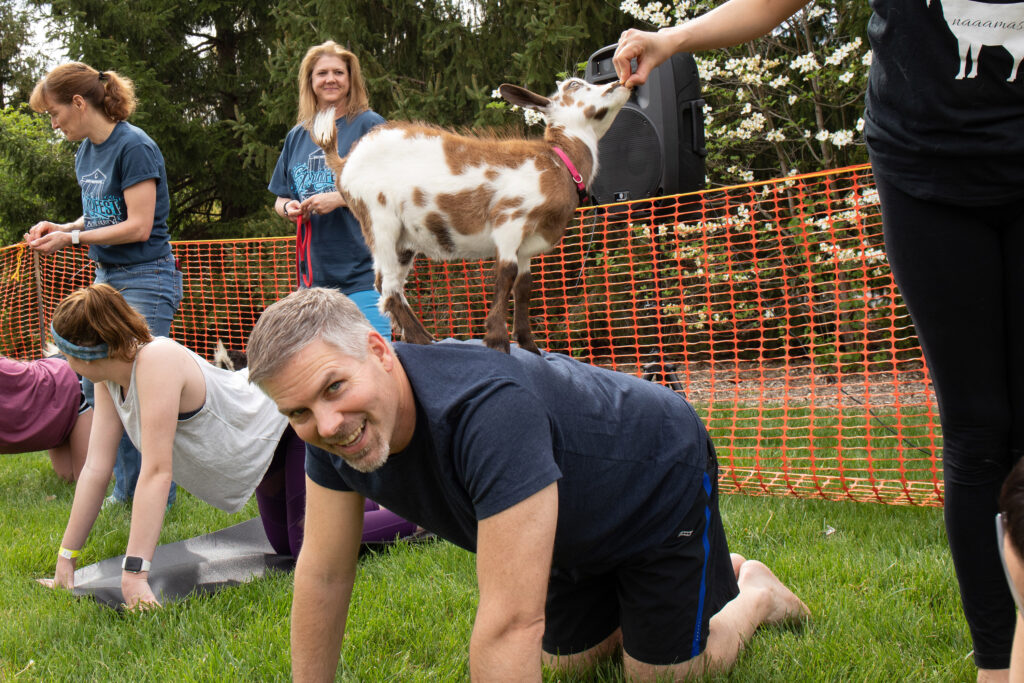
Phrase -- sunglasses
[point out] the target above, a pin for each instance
(1000, 539)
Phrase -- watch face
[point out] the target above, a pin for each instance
(132, 564)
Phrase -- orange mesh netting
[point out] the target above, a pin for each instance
(770, 305)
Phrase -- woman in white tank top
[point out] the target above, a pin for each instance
(208, 429)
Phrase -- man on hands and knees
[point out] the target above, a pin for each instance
(589, 496)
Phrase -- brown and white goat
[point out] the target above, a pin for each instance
(420, 189)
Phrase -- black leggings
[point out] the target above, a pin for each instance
(960, 271)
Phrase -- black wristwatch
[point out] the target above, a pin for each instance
(135, 564)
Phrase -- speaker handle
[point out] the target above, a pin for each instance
(697, 121)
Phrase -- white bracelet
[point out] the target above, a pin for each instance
(75, 236)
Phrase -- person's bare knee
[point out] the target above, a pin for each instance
(642, 672)
(60, 459)
(583, 661)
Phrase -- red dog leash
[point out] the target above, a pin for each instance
(303, 253)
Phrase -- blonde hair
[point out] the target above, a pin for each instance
(358, 101)
(111, 93)
(98, 314)
(295, 321)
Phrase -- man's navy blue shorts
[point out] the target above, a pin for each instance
(662, 598)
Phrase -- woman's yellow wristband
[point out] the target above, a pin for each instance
(68, 554)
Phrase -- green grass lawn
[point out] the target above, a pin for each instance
(880, 586)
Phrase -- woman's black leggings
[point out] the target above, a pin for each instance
(960, 271)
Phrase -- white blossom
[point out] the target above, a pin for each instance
(841, 138)
(804, 63)
(840, 55)
(814, 12)
(821, 135)
(779, 82)
(860, 125)
(846, 77)
(775, 136)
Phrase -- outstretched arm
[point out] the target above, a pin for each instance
(514, 549)
(161, 373)
(731, 23)
(324, 575)
(92, 484)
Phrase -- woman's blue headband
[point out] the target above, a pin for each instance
(97, 352)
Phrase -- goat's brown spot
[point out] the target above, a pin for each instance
(419, 197)
(411, 130)
(406, 257)
(467, 210)
(491, 174)
(601, 113)
(438, 226)
(589, 111)
(382, 199)
(362, 214)
(463, 152)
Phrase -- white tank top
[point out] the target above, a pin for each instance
(220, 453)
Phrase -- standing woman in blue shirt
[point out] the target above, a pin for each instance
(125, 203)
(330, 247)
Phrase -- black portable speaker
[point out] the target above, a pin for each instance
(655, 145)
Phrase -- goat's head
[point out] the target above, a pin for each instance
(576, 106)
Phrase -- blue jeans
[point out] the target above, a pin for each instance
(154, 289)
(367, 302)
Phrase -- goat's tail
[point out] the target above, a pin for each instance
(324, 134)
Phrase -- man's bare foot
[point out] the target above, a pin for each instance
(993, 675)
(737, 562)
(782, 604)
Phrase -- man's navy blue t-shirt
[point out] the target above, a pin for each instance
(493, 429)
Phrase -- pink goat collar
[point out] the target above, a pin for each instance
(576, 177)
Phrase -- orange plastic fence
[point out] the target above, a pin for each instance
(770, 305)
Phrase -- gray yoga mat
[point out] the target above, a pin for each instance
(203, 564)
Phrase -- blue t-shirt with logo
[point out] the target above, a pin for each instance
(104, 171)
(492, 429)
(338, 256)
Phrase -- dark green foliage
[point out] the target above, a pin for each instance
(37, 178)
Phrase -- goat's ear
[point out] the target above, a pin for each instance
(521, 97)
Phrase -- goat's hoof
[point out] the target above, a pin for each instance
(498, 345)
(528, 345)
(420, 337)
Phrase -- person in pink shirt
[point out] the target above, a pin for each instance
(42, 409)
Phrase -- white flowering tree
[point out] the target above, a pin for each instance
(791, 102)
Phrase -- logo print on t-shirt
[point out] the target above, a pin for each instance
(93, 184)
(99, 209)
(977, 24)
(313, 177)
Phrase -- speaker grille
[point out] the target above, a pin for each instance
(630, 161)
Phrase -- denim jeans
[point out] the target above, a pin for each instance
(154, 289)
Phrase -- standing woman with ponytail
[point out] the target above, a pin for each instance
(125, 203)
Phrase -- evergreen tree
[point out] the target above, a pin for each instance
(20, 63)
